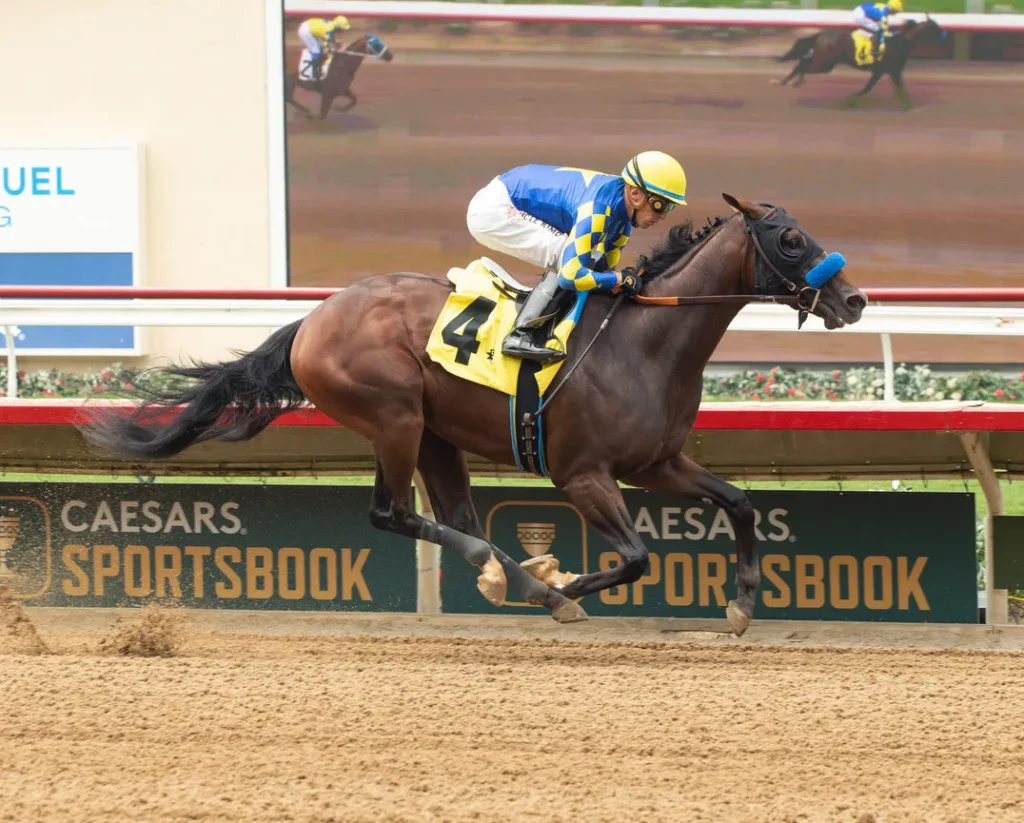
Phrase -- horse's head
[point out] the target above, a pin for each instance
(787, 260)
(928, 32)
(370, 44)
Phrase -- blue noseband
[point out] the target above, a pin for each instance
(825, 270)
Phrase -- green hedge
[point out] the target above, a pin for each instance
(912, 383)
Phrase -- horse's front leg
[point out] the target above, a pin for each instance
(679, 476)
(597, 497)
(854, 99)
(900, 89)
(352, 100)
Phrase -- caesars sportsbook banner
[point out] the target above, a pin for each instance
(204, 546)
(883, 556)
(71, 216)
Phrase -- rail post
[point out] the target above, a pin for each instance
(12, 363)
(428, 558)
(995, 601)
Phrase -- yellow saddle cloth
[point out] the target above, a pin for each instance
(862, 48)
(466, 339)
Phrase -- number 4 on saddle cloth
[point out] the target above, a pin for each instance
(466, 341)
(862, 46)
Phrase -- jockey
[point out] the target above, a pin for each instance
(873, 16)
(317, 34)
(574, 224)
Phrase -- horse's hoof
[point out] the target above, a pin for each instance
(491, 581)
(738, 619)
(570, 612)
(545, 569)
(540, 567)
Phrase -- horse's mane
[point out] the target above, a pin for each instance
(681, 240)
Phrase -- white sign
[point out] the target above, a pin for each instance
(70, 199)
(71, 216)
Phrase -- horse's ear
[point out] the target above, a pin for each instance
(741, 206)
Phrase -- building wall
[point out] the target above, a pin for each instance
(187, 79)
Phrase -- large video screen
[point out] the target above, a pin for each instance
(916, 184)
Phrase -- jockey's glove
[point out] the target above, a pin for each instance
(629, 283)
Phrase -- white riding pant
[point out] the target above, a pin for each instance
(496, 223)
(861, 18)
(308, 40)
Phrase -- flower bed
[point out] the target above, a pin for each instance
(913, 383)
(916, 383)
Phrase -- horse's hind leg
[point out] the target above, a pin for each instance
(800, 69)
(444, 472)
(680, 477)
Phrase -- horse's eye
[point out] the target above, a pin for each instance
(794, 241)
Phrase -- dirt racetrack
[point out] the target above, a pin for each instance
(926, 198)
(274, 717)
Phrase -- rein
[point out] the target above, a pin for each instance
(785, 299)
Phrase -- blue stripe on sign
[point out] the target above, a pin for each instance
(66, 269)
(70, 269)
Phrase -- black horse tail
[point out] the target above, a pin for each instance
(799, 49)
(227, 401)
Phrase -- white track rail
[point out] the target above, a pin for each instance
(625, 15)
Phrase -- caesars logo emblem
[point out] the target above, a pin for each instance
(10, 522)
(24, 546)
(536, 538)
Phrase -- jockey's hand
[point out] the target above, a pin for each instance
(629, 283)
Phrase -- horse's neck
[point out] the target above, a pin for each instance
(684, 338)
(355, 55)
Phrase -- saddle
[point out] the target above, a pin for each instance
(510, 287)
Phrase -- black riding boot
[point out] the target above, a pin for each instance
(876, 45)
(538, 308)
(314, 69)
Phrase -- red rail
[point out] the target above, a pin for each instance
(805, 416)
(882, 295)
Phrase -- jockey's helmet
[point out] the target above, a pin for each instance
(659, 176)
(896, 5)
(341, 22)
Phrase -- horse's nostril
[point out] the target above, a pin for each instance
(856, 302)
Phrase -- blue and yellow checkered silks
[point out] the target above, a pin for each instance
(588, 206)
(480, 313)
(591, 255)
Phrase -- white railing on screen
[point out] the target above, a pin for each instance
(645, 15)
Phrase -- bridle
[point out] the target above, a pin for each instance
(374, 46)
(773, 262)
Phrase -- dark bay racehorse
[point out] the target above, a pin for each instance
(624, 414)
(340, 73)
(820, 53)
